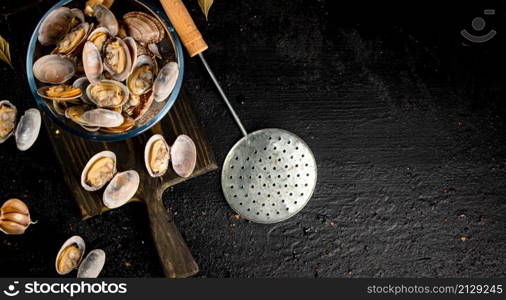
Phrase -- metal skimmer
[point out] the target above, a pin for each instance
(269, 175)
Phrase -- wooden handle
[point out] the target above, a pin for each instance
(184, 25)
(176, 259)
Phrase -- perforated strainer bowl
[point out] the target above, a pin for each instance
(269, 175)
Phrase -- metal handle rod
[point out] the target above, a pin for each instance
(225, 99)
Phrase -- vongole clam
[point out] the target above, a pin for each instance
(70, 257)
(27, 129)
(182, 154)
(100, 170)
(14, 217)
(120, 80)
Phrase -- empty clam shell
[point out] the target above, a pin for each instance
(92, 264)
(165, 81)
(108, 93)
(106, 19)
(143, 28)
(8, 113)
(55, 26)
(156, 156)
(121, 189)
(183, 154)
(98, 171)
(92, 62)
(101, 117)
(70, 255)
(28, 129)
(53, 69)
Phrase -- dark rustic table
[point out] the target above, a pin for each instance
(406, 119)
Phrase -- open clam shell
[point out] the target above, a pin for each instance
(141, 79)
(137, 110)
(92, 264)
(72, 40)
(92, 62)
(156, 156)
(8, 114)
(55, 26)
(106, 18)
(53, 69)
(165, 81)
(61, 92)
(117, 60)
(28, 129)
(99, 170)
(183, 154)
(108, 93)
(122, 188)
(70, 255)
(99, 36)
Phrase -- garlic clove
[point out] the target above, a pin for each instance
(14, 217)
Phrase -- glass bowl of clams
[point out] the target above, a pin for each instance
(105, 70)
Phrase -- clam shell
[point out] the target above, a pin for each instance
(55, 26)
(7, 103)
(165, 81)
(132, 47)
(78, 14)
(183, 154)
(143, 28)
(141, 61)
(128, 64)
(86, 27)
(79, 242)
(147, 155)
(28, 129)
(92, 264)
(128, 124)
(104, 83)
(154, 49)
(106, 19)
(92, 63)
(53, 69)
(138, 111)
(90, 163)
(59, 107)
(98, 30)
(42, 92)
(101, 117)
(122, 188)
(82, 83)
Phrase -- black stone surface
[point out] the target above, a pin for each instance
(405, 117)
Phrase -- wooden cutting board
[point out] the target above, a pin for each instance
(74, 152)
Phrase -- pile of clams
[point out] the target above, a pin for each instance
(100, 170)
(26, 129)
(102, 72)
(70, 257)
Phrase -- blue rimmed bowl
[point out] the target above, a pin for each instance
(170, 48)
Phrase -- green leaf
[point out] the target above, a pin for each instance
(205, 5)
(5, 52)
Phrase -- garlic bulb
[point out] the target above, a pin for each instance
(14, 217)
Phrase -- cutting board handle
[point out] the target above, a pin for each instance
(176, 259)
(184, 25)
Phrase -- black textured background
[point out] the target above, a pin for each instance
(406, 120)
